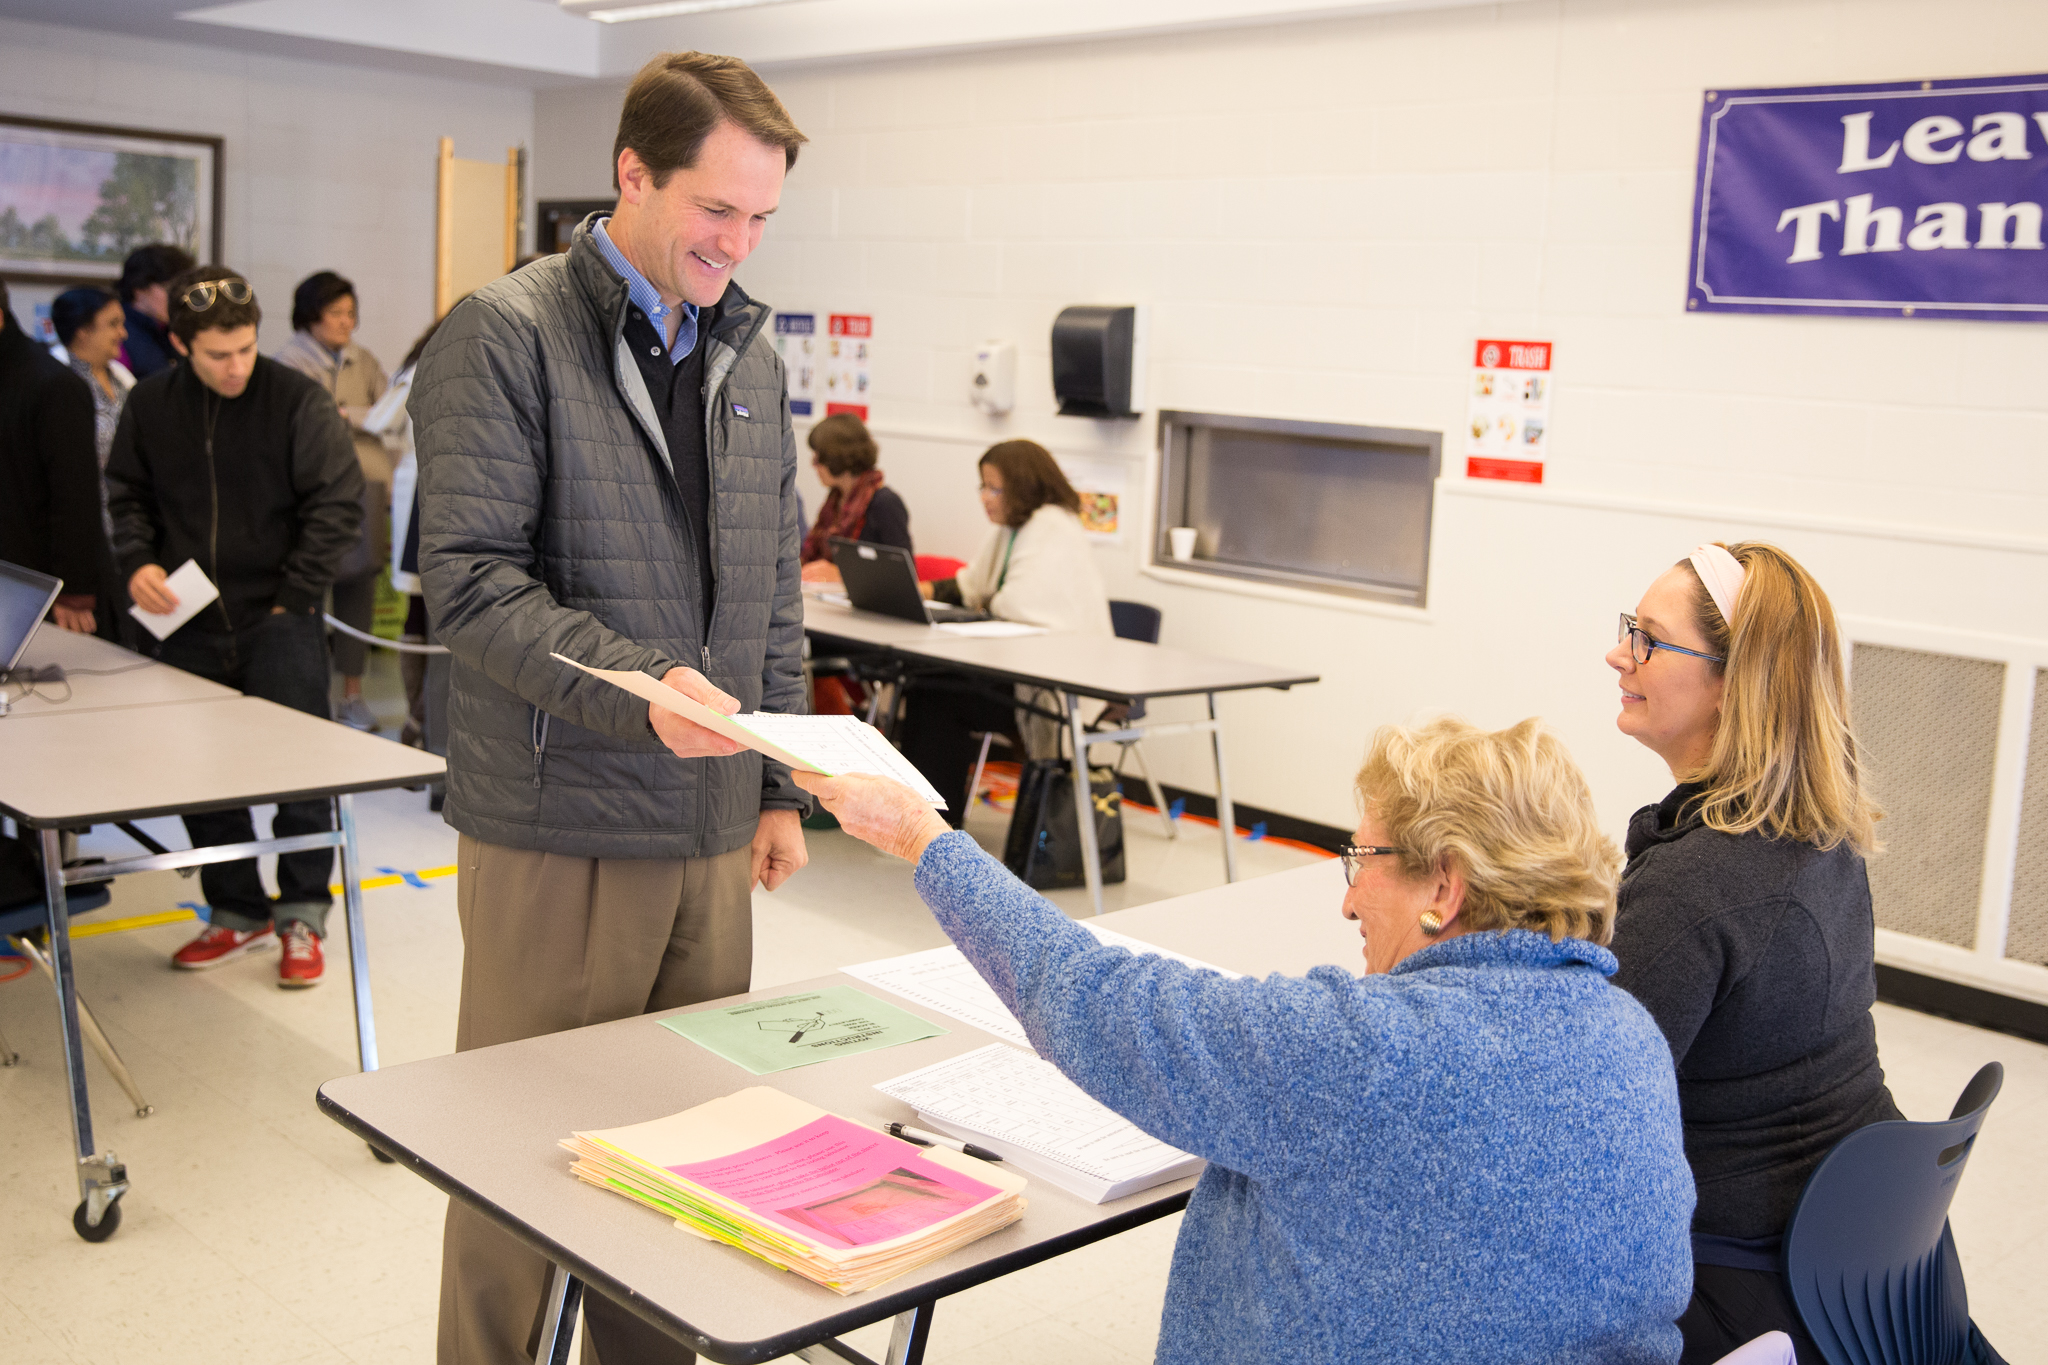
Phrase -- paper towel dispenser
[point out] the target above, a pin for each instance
(1097, 361)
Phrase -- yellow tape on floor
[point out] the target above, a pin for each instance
(115, 926)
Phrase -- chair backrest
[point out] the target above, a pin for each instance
(1868, 1255)
(1134, 621)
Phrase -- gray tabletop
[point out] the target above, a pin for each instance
(89, 767)
(1088, 665)
(483, 1126)
(117, 678)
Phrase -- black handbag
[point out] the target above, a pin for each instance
(1044, 844)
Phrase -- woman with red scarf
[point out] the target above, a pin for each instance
(858, 507)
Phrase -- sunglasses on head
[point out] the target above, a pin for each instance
(201, 297)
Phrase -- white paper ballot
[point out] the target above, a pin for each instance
(990, 630)
(194, 591)
(831, 746)
(942, 979)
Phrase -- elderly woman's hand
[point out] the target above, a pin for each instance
(878, 811)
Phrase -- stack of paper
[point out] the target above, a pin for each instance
(1021, 1108)
(807, 1191)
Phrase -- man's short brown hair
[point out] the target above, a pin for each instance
(679, 97)
(222, 315)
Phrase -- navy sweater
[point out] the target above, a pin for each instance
(1475, 1158)
(1755, 956)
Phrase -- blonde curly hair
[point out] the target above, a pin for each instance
(1509, 810)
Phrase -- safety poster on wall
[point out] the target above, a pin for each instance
(796, 341)
(1507, 427)
(848, 349)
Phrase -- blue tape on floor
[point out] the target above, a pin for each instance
(410, 878)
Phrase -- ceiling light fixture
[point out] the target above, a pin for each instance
(625, 11)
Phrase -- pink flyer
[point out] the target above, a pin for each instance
(840, 1184)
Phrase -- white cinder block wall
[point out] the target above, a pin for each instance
(1323, 217)
(328, 167)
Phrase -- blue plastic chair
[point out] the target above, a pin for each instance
(1869, 1257)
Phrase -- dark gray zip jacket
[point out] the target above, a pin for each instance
(550, 523)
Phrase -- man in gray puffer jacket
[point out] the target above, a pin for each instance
(607, 471)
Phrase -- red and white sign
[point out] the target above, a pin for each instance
(849, 345)
(1507, 428)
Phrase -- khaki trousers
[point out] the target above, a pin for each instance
(550, 943)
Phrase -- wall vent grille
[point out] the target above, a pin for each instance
(2026, 935)
(1928, 724)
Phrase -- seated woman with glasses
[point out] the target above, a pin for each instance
(1745, 923)
(1036, 567)
(1471, 1153)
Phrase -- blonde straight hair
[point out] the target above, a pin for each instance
(1784, 759)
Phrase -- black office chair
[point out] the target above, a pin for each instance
(1869, 1258)
(1135, 621)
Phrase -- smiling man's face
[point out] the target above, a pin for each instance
(689, 234)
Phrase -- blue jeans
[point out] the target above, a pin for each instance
(282, 658)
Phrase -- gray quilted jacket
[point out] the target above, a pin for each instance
(550, 523)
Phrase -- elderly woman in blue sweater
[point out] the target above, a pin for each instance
(1470, 1154)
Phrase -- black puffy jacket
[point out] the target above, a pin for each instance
(550, 523)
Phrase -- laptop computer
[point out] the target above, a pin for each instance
(883, 579)
(25, 599)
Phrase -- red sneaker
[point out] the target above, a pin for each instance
(220, 944)
(302, 965)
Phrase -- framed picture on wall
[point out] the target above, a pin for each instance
(76, 198)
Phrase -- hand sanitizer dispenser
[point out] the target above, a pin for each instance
(994, 386)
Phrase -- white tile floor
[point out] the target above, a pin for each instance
(258, 1231)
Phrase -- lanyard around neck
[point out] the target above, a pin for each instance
(1004, 576)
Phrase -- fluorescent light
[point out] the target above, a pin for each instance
(622, 11)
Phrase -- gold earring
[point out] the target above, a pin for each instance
(1432, 923)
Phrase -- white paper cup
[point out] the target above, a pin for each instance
(1182, 539)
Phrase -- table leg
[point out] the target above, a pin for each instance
(1226, 813)
(1084, 804)
(558, 1328)
(102, 1179)
(358, 941)
(908, 1337)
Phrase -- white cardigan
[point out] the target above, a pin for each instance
(1050, 581)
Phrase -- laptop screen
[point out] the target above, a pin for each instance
(25, 596)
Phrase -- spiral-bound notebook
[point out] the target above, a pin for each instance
(1024, 1110)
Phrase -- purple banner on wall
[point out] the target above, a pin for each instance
(1916, 199)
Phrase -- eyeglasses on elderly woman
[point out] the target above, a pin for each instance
(1353, 856)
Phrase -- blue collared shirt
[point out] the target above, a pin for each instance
(647, 299)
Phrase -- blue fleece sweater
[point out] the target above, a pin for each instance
(1474, 1158)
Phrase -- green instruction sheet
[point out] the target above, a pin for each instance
(796, 1030)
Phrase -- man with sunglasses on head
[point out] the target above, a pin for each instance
(242, 465)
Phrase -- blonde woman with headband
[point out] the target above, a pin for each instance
(1744, 923)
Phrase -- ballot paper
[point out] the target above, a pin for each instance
(831, 746)
(941, 979)
(1022, 1108)
(990, 630)
(194, 591)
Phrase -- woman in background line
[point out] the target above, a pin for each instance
(1745, 924)
(91, 328)
(1036, 567)
(1470, 1154)
(324, 319)
(859, 506)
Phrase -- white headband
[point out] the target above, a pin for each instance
(1723, 575)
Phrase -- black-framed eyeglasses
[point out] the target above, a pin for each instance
(204, 295)
(1641, 644)
(1352, 855)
